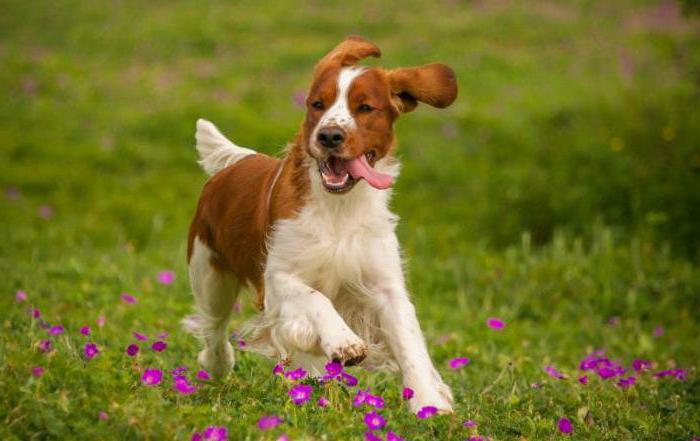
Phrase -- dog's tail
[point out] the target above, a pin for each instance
(216, 152)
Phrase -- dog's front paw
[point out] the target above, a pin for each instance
(438, 396)
(349, 351)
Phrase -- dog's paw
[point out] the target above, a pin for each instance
(350, 351)
(439, 396)
(218, 361)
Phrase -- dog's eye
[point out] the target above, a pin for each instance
(364, 108)
(318, 104)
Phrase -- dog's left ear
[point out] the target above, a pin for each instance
(348, 52)
(434, 84)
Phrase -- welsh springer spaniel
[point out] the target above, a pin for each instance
(311, 233)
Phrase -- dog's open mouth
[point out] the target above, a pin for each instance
(340, 175)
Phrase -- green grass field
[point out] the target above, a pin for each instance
(560, 193)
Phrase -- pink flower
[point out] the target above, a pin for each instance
(564, 425)
(641, 365)
(283, 437)
(374, 401)
(299, 98)
(426, 412)
(166, 277)
(152, 377)
(182, 385)
(45, 211)
(322, 402)
(103, 415)
(140, 337)
(659, 331)
(360, 397)
(101, 321)
(495, 323)
(296, 374)
(469, 423)
(20, 296)
(391, 436)
(132, 350)
(300, 393)
(56, 330)
(374, 421)
(85, 330)
(163, 335)
(179, 370)
(45, 345)
(128, 298)
(213, 433)
(407, 393)
(203, 375)
(269, 422)
(36, 313)
(552, 372)
(278, 369)
(678, 373)
(459, 362)
(370, 436)
(37, 371)
(583, 379)
(159, 346)
(90, 350)
(348, 379)
(624, 383)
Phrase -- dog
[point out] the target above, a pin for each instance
(311, 233)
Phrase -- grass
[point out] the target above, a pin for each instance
(559, 193)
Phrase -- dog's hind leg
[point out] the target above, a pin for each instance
(215, 293)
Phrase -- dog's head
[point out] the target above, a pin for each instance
(351, 111)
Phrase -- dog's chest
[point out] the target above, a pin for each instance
(331, 249)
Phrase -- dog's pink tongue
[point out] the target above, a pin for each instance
(359, 168)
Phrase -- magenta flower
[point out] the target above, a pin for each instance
(624, 383)
(103, 415)
(374, 401)
(564, 425)
(659, 331)
(85, 330)
(370, 436)
(495, 323)
(36, 313)
(296, 374)
(56, 330)
(349, 380)
(37, 371)
(283, 437)
(45, 345)
(90, 350)
(241, 343)
(391, 436)
(20, 296)
(407, 393)
(459, 362)
(374, 421)
(679, 374)
(128, 298)
(552, 372)
(101, 321)
(203, 375)
(583, 379)
(213, 433)
(269, 422)
(469, 423)
(299, 98)
(641, 365)
(333, 369)
(140, 337)
(300, 393)
(182, 385)
(166, 277)
(132, 350)
(475, 438)
(159, 346)
(152, 377)
(278, 369)
(426, 412)
(322, 402)
(360, 397)
(179, 370)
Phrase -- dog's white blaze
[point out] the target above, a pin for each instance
(339, 113)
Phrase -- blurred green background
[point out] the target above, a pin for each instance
(561, 189)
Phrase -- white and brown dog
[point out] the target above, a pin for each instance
(311, 233)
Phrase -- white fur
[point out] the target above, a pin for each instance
(216, 152)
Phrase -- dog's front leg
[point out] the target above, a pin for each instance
(399, 325)
(306, 319)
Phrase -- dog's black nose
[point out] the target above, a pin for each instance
(331, 137)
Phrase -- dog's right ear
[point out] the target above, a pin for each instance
(347, 53)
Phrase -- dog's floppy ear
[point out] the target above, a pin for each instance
(348, 52)
(434, 84)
